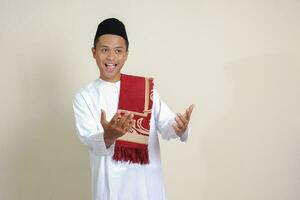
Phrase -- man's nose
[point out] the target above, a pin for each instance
(111, 55)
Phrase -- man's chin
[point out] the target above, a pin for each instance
(111, 77)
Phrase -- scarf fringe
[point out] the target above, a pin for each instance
(123, 152)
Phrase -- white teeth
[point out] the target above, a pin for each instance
(110, 65)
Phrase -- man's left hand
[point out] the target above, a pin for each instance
(182, 120)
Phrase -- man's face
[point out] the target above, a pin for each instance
(110, 54)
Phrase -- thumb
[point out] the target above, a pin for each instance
(103, 118)
(188, 111)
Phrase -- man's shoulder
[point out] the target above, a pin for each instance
(87, 89)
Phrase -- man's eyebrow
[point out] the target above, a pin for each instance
(117, 47)
(101, 45)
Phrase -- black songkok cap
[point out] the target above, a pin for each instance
(111, 26)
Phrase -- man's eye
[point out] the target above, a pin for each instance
(118, 51)
(104, 50)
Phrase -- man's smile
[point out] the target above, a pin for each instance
(110, 66)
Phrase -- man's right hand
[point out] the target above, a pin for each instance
(117, 127)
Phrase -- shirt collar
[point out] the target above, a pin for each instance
(103, 82)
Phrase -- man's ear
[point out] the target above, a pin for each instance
(94, 52)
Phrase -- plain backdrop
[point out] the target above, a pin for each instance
(238, 61)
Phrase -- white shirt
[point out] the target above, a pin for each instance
(113, 180)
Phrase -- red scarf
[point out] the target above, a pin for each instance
(135, 96)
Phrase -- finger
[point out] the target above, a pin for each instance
(189, 111)
(177, 130)
(183, 119)
(131, 123)
(191, 108)
(186, 114)
(179, 122)
(128, 121)
(114, 120)
(123, 119)
(129, 126)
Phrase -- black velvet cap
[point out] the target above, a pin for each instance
(111, 26)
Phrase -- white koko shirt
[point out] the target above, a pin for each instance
(113, 180)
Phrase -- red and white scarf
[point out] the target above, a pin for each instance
(136, 95)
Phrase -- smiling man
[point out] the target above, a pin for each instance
(118, 117)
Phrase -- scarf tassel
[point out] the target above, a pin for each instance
(132, 152)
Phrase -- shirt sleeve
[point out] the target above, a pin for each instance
(87, 128)
(165, 118)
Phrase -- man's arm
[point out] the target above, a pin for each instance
(89, 132)
(166, 120)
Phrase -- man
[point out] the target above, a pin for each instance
(117, 117)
